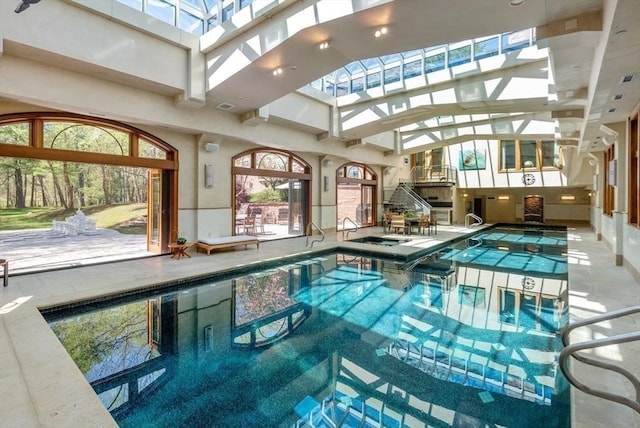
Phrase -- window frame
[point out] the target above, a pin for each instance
(539, 156)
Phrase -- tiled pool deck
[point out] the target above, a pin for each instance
(40, 386)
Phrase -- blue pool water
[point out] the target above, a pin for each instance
(465, 336)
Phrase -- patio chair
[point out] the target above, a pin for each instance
(249, 225)
(424, 224)
(258, 224)
(397, 222)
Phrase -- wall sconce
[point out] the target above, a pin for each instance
(465, 195)
(211, 147)
(503, 197)
(325, 183)
(568, 197)
(208, 176)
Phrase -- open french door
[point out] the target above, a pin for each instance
(155, 205)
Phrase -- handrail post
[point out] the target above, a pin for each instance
(350, 230)
(308, 233)
(573, 351)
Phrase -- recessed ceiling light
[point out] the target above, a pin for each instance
(618, 96)
(324, 45)
(611, 110)
(628, 78)
(277, 71)
(516, 3)
(381, 32)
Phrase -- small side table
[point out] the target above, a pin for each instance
(179, 251)
(5, 264)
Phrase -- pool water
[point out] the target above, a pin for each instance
(466, 336)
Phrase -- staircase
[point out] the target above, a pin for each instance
(404, 199)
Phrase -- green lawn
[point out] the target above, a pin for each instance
(128, 218)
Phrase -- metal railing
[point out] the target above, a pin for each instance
(310, 227)
(477, 220)
(345, 233)
(433, 174)
(573, 351)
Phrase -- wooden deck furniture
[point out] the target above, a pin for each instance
(209, 244)
(397, 222)
(179, 251)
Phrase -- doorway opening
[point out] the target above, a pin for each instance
(356, 197)
(73, 183)
(271, 198)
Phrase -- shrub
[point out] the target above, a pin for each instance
(266, 195)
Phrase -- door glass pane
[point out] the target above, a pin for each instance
(155, 204)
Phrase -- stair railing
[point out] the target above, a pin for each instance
(573, 351)
(477, 220)
(310, 227)
(346, 235)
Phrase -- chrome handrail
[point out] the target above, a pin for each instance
(478, 220)
(572, 351)
(309, 230)
(350, 230)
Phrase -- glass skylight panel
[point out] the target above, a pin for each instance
(162, 10)
(410, 54)
(244, 3)
(190, 23)
(342, 82)
(227, 12)
(515, 40)
(388, 59)
(370, 63)
(374, 79)
(461, 55)
(392, 75)
(486, 48)
(135, 4)
(212, 22)
(412, 69)
(210, 5)
(357, 84)
(193, 3)
(434, 62)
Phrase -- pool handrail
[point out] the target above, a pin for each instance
(350, 230)
(477, 220)
(309, 230)
(572, 350)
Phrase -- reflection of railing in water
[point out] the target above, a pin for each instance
(310, 227)
(477, 220)
(573, 351)
(346, 235)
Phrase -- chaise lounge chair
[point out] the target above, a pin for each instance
(209, 244)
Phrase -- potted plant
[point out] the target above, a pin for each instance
(180, 239)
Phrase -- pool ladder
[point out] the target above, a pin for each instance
(310, 227)
(573, 351)
(346, 236)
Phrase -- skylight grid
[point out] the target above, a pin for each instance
(397, 67)
(193, 16)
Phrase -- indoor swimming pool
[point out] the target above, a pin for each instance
(465, 336)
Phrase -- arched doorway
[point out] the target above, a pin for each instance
(91, 161)
(356, 198)
(271, 193)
